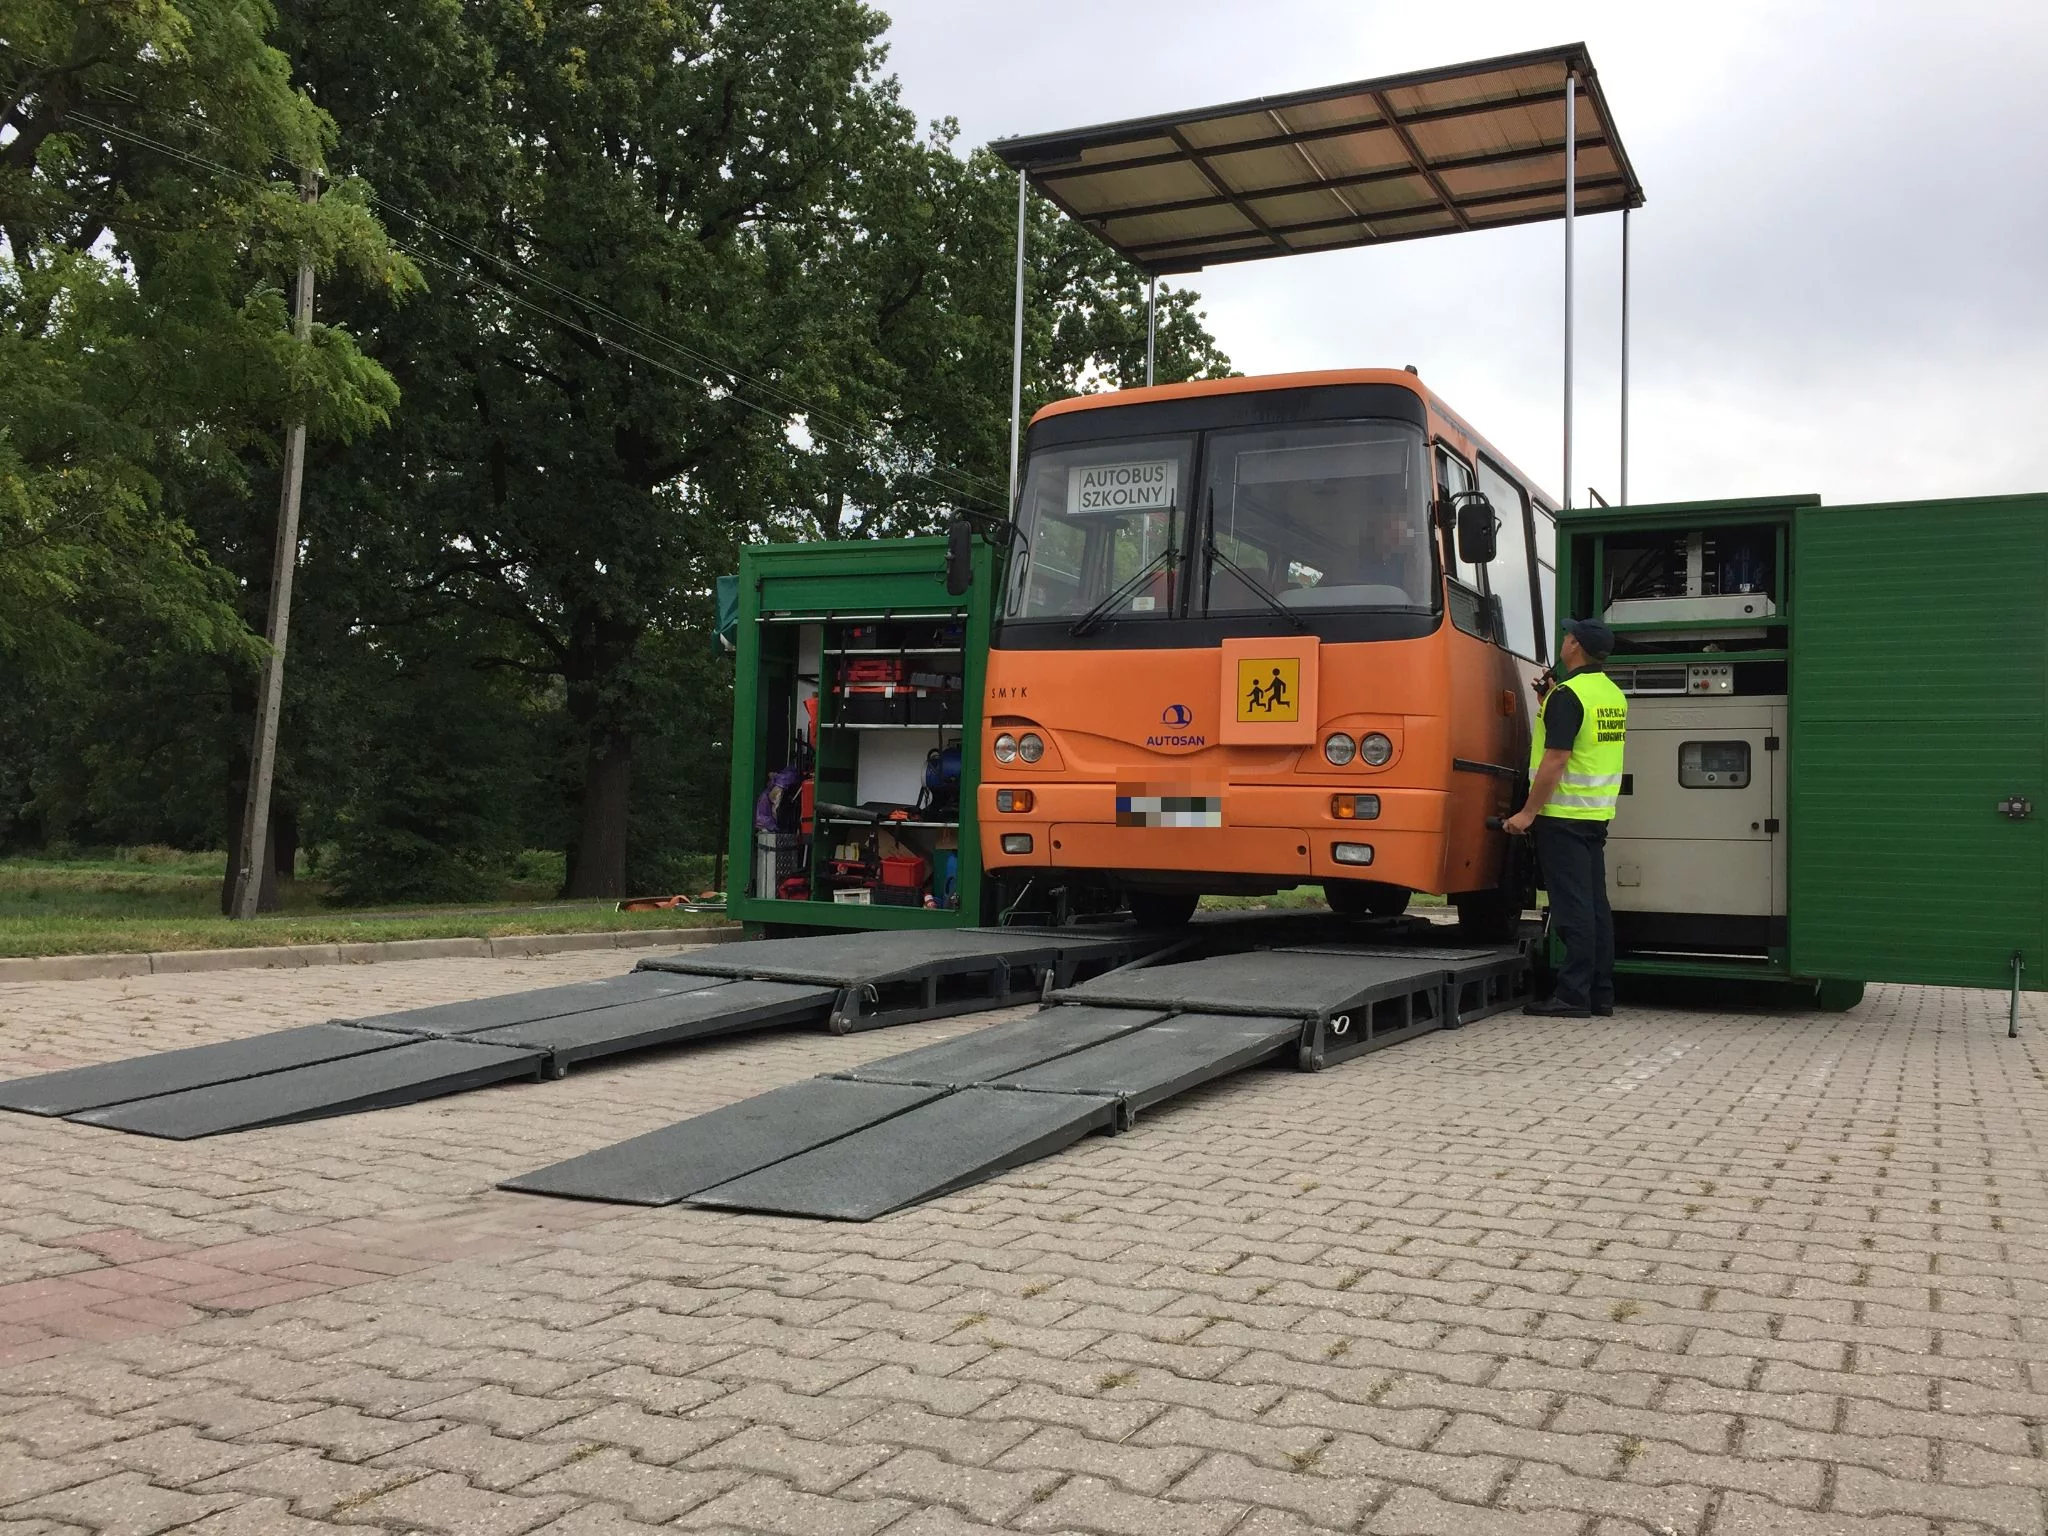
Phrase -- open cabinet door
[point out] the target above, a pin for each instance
(1918, 748)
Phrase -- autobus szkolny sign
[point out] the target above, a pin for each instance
(1142, 487)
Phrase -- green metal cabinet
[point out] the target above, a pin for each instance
(1913, 643)
(1919, 808)
(794, 601)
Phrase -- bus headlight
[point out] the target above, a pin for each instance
(1340, 749)
(1376, 750)
(1006, 748)
(1031, 746)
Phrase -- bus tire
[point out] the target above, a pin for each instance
(1365, 898)
(1489, 917)
(1163, 909)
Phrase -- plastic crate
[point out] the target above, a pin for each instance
(899, 896)
(903, 869)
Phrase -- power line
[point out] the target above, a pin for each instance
(618, 346)
(849, 431)
(839, 433)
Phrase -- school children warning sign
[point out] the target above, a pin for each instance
(1139, 487)
(1269, 688)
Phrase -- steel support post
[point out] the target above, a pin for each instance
(1571, 198)
(1151, 327)
(1017, 337)
(1624, 356)
(2012, 1017)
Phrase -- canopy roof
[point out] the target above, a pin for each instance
(1472, 146)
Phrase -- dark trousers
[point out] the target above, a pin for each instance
(1574, 859)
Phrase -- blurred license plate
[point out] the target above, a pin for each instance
(1168, 805)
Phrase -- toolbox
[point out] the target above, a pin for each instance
(874, 704)
(874, 669)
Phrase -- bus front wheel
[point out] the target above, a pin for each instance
(1365, 898)
(1163, 909)
(1489, 917)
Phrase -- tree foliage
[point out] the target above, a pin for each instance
(693, 277)
(151, 220)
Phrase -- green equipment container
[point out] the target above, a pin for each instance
(1919, 808)
(1838, 744)
(864, 635)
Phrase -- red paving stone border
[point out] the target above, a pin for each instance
(148, 1286)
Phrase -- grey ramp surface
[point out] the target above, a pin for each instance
(1447, 954)
(679, 1160)
(1165, 1059)
(480, 1013)
(665, 1020)
(408, 1072)
(983, 1055)
(139, 1077)
(1269, 982)
(955, 1140)
(847, 958)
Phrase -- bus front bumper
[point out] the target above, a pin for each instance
(1288, 832)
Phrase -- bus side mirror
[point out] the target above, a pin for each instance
(1477, 530)
(959, 558)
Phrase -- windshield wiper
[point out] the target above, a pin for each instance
(1212, 556)
(1094, 616)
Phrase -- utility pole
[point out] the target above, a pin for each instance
(284, 562)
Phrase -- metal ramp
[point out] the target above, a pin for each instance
(843, 982)
(914, 1126)
(405, 1074)
(896, 978)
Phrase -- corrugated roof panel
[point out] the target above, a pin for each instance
(1208, 224)
(1110, 191)
(1469, 146)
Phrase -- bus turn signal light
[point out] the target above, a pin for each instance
(1016, 842)
(1348, 807)
(1013, 799)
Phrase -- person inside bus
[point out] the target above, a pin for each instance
(1575, 765)
(1391, 554)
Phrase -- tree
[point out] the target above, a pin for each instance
(697, 280)
(150, 219)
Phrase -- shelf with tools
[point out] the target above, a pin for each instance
(872, 686)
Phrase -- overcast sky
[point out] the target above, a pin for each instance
(1838, 275)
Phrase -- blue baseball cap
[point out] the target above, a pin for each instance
(1596, 637)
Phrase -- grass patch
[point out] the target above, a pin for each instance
(150, 899)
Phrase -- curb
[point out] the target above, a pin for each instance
(510, 947)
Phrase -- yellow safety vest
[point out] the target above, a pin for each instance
(1591, 785)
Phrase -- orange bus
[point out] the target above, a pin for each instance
(1245, 645)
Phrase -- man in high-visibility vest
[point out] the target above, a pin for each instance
(1575, 760)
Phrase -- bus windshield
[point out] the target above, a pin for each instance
(1094, 518)
(1322, 516)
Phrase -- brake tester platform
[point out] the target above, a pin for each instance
(1129, 1020)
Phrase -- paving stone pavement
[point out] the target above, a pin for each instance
(1716, 1272)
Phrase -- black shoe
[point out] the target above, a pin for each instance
(1553, 1009)
(1603, 1011)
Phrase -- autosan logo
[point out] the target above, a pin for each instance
(1176, 715)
